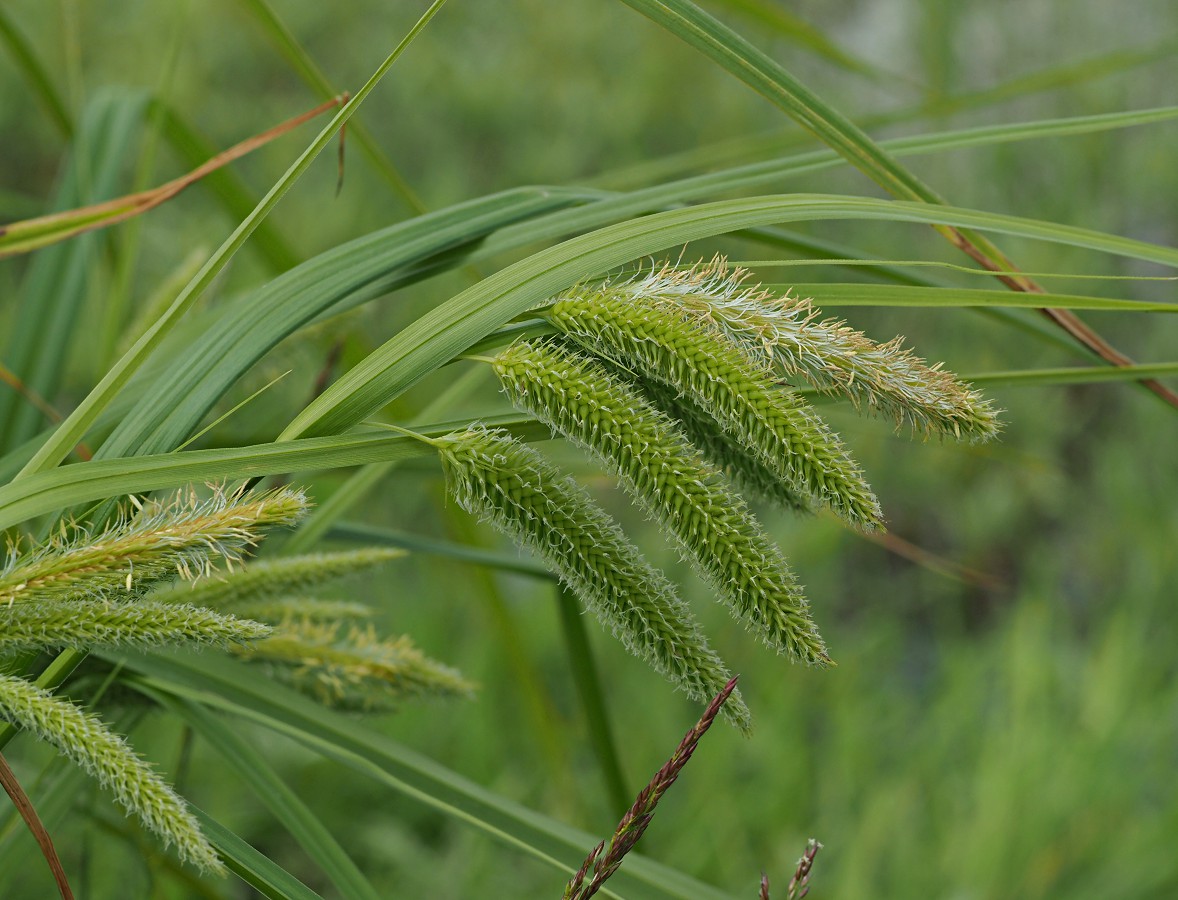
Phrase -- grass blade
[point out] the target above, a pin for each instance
(450, 328)
(85, 482)
(1074, 375)
(729, 50)
(218, 683)
(283, 803)
(950, 298)
(724, 47)
(73, 428)
(330, 283)
(615, 207)
(258, 871)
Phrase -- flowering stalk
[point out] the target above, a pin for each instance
(607, 856)
(746, 470)
(183, 536)
(577, 397)
(82, 589)
(790, 335)
(93, 623)
(284, 575)
(309, 609)
(89, 744)
(799, 885)
(511, 486)
(788, 437)
(352, 668)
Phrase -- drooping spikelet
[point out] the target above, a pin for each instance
(104, 755)
(183, 536)
(511, 486)
(350, 667)
(745, 468)
(790, 335)
(683, 354)
(83, 588)
(311, 609)
(96, 623)
(579, 398)
(284, 576)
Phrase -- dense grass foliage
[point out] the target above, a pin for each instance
(472, 345)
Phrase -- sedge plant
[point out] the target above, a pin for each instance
(701, 395)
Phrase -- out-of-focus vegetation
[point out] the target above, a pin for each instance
(1003, 718)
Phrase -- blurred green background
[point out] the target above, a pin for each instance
(1003, 721)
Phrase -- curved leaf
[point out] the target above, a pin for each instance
(257, 870)
(333, 281)
(946, 297)
(447, 330)
(218, 683)
(69, 432)
(99, 479)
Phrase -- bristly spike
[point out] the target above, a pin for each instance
(685, 355)
(506, 483)
(115, 623)
(746, 469)
(350, 667)
(89, 744)
(579, 398)
(789, 335)
(181, 536)
(283, 576)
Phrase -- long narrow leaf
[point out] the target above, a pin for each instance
(71, 430)
(1074, 375)
(333, 281)
(935, 297)
(760, 175)
(257, 870)
(286, 806)
(369, 266)
(99, 479)
(732, 52)
(218, 683)
(686, 20)
(450, 328)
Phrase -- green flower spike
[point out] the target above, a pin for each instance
(82, 589)
(790, 335)
(750, 475)
(154, 543)
(511, 486)
(107, 623)
(94, 748)
(262, 578)
(350, 667)
(577, 397)
(684, 355)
